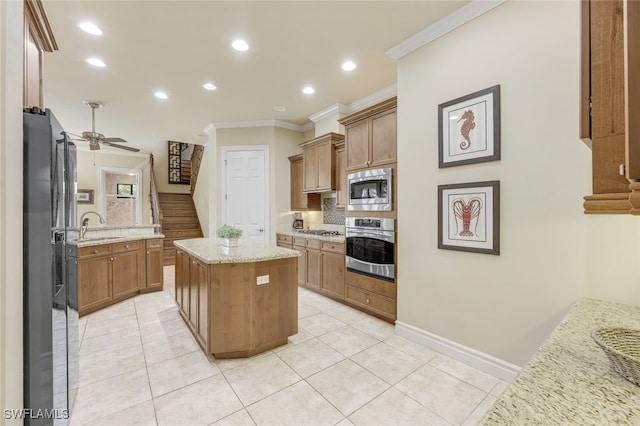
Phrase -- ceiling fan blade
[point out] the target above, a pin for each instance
(75, 136)
(128, 148)
(119, 140)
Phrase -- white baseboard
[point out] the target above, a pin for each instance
(480, 360)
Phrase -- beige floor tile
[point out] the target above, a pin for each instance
(174, 373)
(149, 315)
(478, 414)
(159, 329)
(347, 386)
(347, 314)
(169, 347)
(296, 405)
(345, 422)
(107, 326)
(416, 350)
(110, 342)
(120, 309)
(499, 388)
(323, 303)
(309, 357)
(305, 310)
(319, 324)
(201, 403)
(104, 365)
(110, 396)
(139, 415)
(239, 418)
(228, 364)
(447, 396)
(260, 378)
(395, 408)
(348, 341)
(473, 376)
(387, 362)
(302, 336)
(379, 329)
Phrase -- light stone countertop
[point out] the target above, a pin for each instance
(332, 239)
(109, 240)
(209, 251)
(569, 380)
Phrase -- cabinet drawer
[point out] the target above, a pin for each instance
(301, 242)
(376, 303)
(126, 246)
(313, 244)
(154, 243)
(84, 252)
(374, 285)
(334, 247)
(287, 239)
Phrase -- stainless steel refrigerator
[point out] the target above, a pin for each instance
(51, 341)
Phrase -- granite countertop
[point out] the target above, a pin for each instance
(98, 241)
(329, 238)
(569, 379)
(209, 250)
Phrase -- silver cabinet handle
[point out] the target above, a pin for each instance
(194, 262)
(126, 246)
(148, 252)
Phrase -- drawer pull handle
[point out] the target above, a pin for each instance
(126, 246)
(148, 252)
(95, 252)
(368, 301)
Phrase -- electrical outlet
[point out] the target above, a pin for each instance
(262, 279)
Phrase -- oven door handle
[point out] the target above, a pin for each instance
(370, 263)
(384, 236)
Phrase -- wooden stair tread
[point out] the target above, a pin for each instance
(180, 222)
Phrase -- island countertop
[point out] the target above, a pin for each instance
(570, 379)
(209, 250)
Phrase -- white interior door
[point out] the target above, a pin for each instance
(246, 191)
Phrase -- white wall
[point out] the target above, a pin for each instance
(11, 42)
(551, 253)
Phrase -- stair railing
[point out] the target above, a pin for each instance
(156, 211)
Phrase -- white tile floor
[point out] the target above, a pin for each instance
(140, 365)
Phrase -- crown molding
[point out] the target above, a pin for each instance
(329, 111)
(310, 125)
(256, 123)
(374, 98)
(445, 25)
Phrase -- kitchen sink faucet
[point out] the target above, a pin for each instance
(85, 222)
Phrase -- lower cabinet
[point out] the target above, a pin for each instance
(332, 283)
(314, 269)
(110, 273)
(192, 295)
(154, 265)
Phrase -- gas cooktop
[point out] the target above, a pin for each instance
(319, 232)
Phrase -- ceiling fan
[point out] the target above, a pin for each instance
(94, 138)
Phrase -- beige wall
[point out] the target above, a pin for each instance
(205, 194)
(89, 172)
(161, 170)
(551, 253)
(329, 124)
(11, 42)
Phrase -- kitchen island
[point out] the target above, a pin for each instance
(239, 301)
(569, 380)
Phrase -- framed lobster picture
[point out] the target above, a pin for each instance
(469, 217)
(469, 129)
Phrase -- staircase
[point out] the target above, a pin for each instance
(179, 222)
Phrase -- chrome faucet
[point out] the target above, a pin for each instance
(85, 222)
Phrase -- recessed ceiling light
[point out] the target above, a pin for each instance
(161, 95)
(308, 90)
(96, 62)
(349, 66)
(209, 86)
(90, 28)
(240, 45)
(280, 108)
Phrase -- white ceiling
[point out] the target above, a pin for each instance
(176, 46)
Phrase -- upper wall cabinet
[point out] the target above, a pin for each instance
(371, 136)
(299, 199)
(610, 97)
(319, 163)
(38, 39)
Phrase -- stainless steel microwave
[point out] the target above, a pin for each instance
(370, 190)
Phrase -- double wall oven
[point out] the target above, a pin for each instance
(370, 247)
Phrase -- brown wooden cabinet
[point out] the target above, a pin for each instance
(94, 278)
(332, 283)
(609, 93)
(319, 163)
(341, 176)
(375, 296)
(371, 136)
(300, 245)
(201, 279)
(285, 241)
(314, 269)
(154, 265)
(299, 199)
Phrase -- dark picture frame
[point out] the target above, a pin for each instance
(469, 129)
(84, 196)
(469, 217)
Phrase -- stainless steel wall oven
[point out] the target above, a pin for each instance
(370, 247)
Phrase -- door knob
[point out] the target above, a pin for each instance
(261, 230)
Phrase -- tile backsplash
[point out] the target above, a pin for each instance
(331, 216)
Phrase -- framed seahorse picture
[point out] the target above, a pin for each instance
(469, 129)
(469, 217)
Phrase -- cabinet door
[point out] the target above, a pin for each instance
(94, 278)
(332, 274)
(325, 168)
(313, 269)
(310, 169)
(341, 178)
(178, 278)
(202, 279)
(184, 293)
(300, 200)
(154, 268)
(383, 128)
(193, 294)
(126, 276)
(357, 143)
(302, 266)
